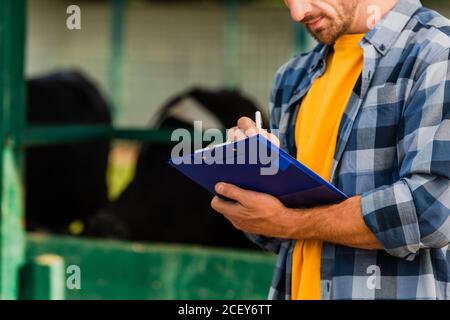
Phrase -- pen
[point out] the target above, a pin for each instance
(258, 120)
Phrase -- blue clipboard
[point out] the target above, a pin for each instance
(270, 171)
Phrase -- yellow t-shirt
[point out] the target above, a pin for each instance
(316, 131)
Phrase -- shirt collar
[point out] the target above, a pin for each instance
(387, 30)
(382, 36)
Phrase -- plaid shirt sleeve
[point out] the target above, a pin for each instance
(269, 244)
(414, 212)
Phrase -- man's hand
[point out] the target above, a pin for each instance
(251, 212)
(246, 127)
(265, 215)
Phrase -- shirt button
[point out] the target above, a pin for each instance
(382, 47)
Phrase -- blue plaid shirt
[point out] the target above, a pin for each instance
(393, 149)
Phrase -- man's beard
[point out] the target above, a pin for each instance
(330, 34)
(338, 26)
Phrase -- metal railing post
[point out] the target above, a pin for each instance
(12, 117)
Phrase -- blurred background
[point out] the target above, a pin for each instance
(165, 47)
(135, 70)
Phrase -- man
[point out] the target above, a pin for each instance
(369, 110)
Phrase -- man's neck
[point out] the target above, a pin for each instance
(369, 13)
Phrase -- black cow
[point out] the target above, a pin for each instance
(65, 182)
(162, 205)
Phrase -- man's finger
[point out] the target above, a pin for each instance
(223, 206)
(238, 135)
(248, 126)
(246, 123)
(235, 134)
(271, 137)
(233, 192)
(230, 133)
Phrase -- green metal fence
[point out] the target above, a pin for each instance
(12, 33)
(120, 270)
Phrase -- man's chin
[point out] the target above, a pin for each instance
(328, 33)
(324, 36)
